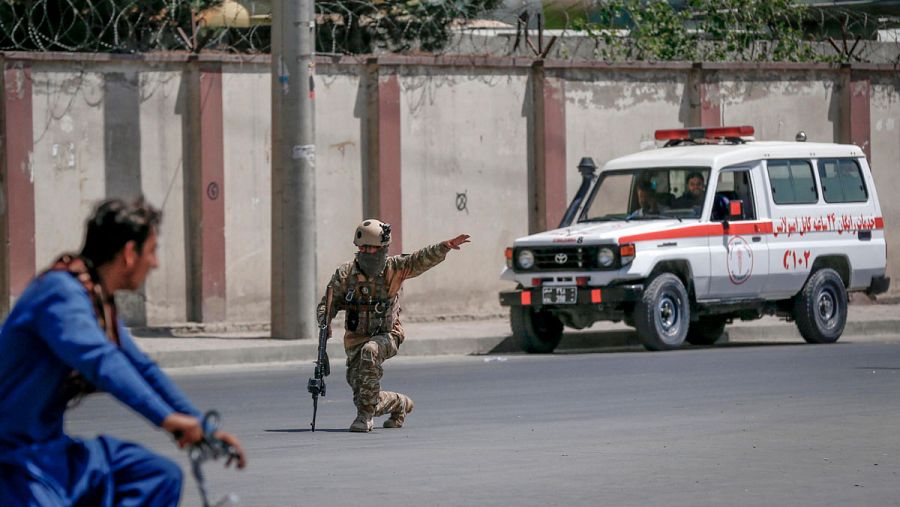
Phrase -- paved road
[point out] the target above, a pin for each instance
(753, 425)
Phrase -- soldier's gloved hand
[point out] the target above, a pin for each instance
(457, 241)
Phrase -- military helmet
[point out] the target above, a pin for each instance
(372, 232)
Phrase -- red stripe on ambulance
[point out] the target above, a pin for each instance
(702, 230)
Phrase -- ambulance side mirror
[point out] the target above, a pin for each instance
(720, 208)
(736, 210)
(727, 209)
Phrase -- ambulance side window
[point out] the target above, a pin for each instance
(734, 186)
(792, 182)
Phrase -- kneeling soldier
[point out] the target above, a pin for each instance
(368, 290)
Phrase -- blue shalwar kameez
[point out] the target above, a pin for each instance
(52, 330)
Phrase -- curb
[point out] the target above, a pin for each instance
(210, 329)
(598, 340)
(789, 330)
(306, 350)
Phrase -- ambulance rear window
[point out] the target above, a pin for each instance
(842, 181)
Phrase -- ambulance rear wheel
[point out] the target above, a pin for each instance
(663, 314)
(706, 330)
(821, 307)
(538, 332)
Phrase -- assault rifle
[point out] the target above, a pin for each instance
(316, 384)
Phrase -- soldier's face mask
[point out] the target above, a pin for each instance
(372, 264)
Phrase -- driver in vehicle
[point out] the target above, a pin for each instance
(648, 204)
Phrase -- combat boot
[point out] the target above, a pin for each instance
(399, 417)
(363, 423)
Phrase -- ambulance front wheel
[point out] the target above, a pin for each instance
(663, 314)
(538, 332)
(821, 307)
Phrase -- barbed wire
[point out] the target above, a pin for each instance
(608, 30)
(116, 26)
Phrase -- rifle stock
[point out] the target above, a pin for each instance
(316, 384)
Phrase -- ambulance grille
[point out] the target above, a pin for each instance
(562, 259)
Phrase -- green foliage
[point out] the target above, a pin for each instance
(703, 30)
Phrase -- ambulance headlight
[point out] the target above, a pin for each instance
(606, 257)
(525, 259)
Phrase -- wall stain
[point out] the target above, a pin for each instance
(342, 147)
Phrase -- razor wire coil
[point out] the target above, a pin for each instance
(608, 30)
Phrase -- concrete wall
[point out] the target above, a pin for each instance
(885, 162)
(162, 141)
(68, 156)
(466, 160)
(462, 174)
(247, 136)
(340, 114)
(110, 131)
(340, 123)
(781, 103)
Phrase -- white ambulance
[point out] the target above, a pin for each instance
(714, 226)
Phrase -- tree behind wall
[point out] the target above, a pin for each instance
(704, 30)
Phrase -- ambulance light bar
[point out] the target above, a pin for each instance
(704, 133)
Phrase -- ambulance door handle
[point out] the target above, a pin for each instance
(756, 239)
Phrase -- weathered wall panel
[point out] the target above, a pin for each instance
(340, 153)
(778, 104)
(885, 162)
(247, 138)
(463, 173)
(68, 155)
(162, 149)
(248, 172)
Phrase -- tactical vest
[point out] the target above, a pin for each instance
(370, 308)
(76, 386)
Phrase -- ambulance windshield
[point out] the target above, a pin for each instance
(647, 194)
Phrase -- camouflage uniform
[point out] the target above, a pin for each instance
(373, 332)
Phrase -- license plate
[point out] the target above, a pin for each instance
(559, 295)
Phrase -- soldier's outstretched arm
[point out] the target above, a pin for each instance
(458, 241)
(421, 261)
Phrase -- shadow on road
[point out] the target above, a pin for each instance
(579, 340)
(584, 342)
(752, 344)
(307, 430)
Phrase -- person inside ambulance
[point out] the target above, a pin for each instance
(693, 193)
(647, 202)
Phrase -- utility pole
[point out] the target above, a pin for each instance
(293, 170)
